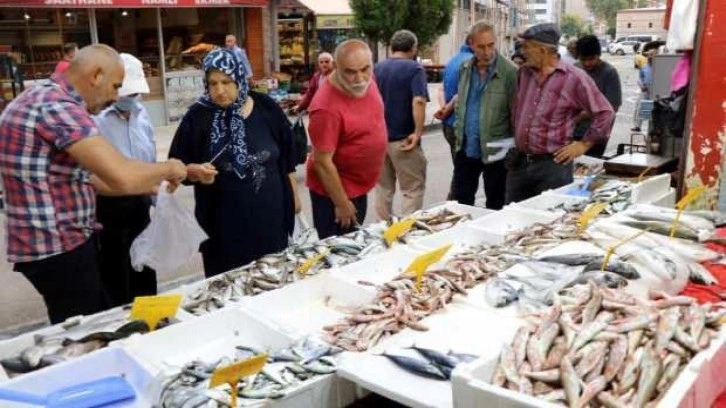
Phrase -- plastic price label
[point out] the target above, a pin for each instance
(233, 373)
(422, 263)
(305, 267)
(683, 203)
(589, 214)
(152, 309)
(397, 230)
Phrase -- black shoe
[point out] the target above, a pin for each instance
(635, 129)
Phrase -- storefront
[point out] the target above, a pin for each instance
(170, 40)
(306, 28)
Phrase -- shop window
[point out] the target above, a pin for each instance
(189, 34)
(650, 25)
(34, 38)
(134, 32)
(629, 25)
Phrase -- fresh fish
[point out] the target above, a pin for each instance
(520, 343)
(609, 401)
(417, 366)
(698, 321)
(590, 360)
(588, 331)
(635, 323)
(629, 374)
(591, 390)
(624, 269)
(548, 376)
(499, 293)
(671, 368)
(507, 361)
(558, 350)
(616, 357)
(437, 357)
(573, 259)
(545, 340)
(666, 328)
(592, 307)
(651, 370)
(570, 382)
(699, 274)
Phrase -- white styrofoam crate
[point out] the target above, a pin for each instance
(548, 201)
(650, 189)
(498, 225)
(308, 305)
(378, 269)
(215, 335)
(380, 375)
(461, 236)
(666, 200)
(91, 367)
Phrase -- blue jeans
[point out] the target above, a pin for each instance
(527, 179)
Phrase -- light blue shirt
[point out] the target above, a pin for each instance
(477, 85)
(242, 57)
(134, 137)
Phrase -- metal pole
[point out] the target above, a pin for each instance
(93, 25)
(162, 61)
(472, 12)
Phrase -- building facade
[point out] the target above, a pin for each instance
(641, 21)
(546, 11)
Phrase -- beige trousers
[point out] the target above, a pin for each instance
(409, 168)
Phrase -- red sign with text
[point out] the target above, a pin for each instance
(130, 3)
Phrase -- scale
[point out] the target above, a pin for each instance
(637, 164)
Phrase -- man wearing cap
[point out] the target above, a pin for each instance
(550, 96)
(127, 126)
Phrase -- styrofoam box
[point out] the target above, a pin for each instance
(462, 237)
(215, 335)
(380, 375)
(378, 269)
(498, 225)
(475, 212)
(74, 327)
(666, 200)
(547, 201)
(650, 189)
(308, 305)
(104, 363)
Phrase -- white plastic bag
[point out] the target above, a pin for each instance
(171, 238)
(682, 27)
(303, 233)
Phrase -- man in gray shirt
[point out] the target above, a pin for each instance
(607, 80)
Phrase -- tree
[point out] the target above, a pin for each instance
(607, 9)
(572, 25)
(379, 19)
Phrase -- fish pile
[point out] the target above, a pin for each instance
(285, 369)
(537, 281)
(538, 237)
(430, 363)
(603, 346)
(277, 270)
(615, 193)
(74, 342)
(698, 226)
(399, 304)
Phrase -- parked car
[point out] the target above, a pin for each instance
(603, 44)
(622, 48)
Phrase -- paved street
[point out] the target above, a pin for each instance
(22, 307)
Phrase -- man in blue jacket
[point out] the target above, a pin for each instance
(446, 114)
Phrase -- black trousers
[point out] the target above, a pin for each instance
(450, 136)
(466, 180)
(123, 219)
(69, 282)
(528, 179)
(324, 214)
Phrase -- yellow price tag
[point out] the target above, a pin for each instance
(422, 263)
(397, 230)
(684, 202)
(233, 373)
(305, 267)
(589, 214)
(641, 176)
(152, 309)
(613, 248)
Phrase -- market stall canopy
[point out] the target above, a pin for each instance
(328, 7)
(133, 3)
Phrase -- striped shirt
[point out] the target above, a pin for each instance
(50, 201)
(544, 115)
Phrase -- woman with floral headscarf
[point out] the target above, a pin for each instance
(248, 209)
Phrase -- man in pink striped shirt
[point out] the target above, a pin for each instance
(550, 96)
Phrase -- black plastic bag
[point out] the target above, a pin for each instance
(300, 140)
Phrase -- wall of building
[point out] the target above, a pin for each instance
(578, 8)
(641, 21)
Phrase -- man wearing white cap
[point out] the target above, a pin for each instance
(126, 124)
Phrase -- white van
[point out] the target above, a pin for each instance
(635, 38)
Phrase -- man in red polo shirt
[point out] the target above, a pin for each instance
(348, 134)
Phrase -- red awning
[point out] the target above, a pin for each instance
(129, 3)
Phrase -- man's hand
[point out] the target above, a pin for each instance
(176, 173)
(410, 142)
(345, 215)
(201, 173)
(443, 113)
(572, 151)
(298, 203)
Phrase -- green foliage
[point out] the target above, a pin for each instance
(607, 9)
(572, 25)
(379, 19)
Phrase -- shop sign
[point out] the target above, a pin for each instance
(133, 3)
(183, 88)
(334, 22)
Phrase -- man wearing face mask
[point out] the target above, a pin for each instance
(127, 126)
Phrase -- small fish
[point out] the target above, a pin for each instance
(666, 328)
(570, 382)
(498, 293)
(616, 358)
(588, 331)
(437, 357)
(636, 323)
(624, 269)
(573, 259)
(591, 390)
(417, 366)
(548, 376)
(651, 370)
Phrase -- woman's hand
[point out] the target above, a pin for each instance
(201, 173)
